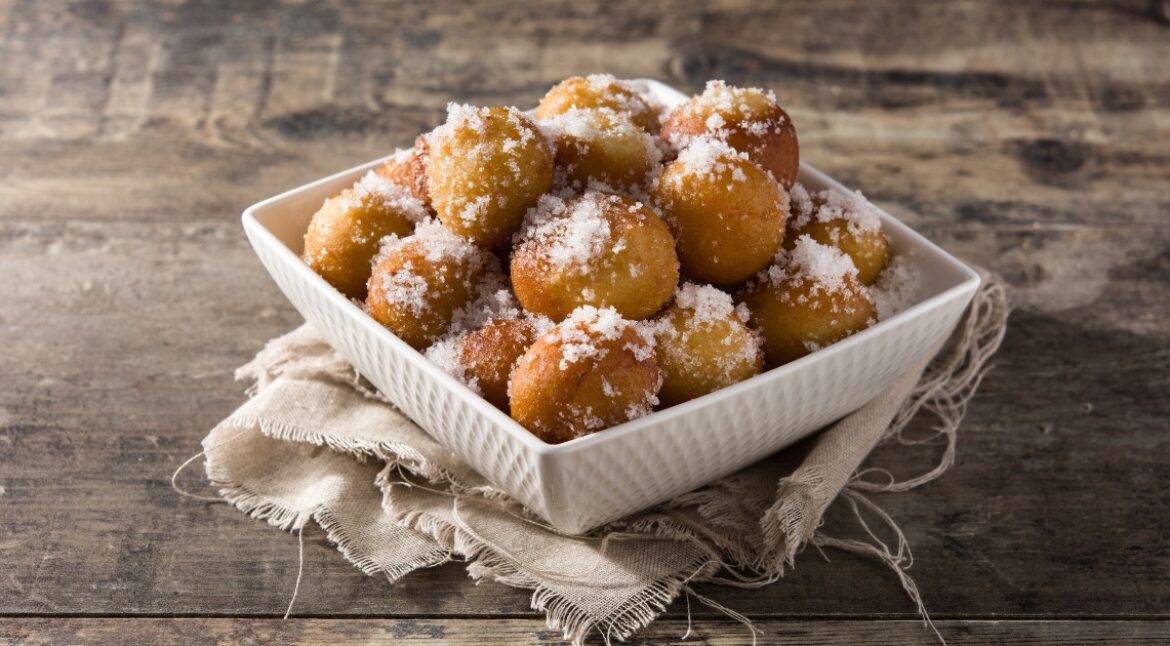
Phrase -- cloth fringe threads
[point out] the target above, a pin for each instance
(315, 442)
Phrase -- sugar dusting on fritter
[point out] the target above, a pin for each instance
(897, 287)
(465, 120)
(826, 268)
(718, 99)
(570, 233)
(707, 309)
(710, 158)
(832, 204)
(407, 287)
(579, 338)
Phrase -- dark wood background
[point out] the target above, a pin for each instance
(1032, 138)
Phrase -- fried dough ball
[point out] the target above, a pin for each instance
(599, 91)
(808, 301)
(408, 168)
(487, 355)
(593, 371)
(596, 249)
(345, 232)
(485, 167)
(602, 146)
(485, 339)
(421, 281)
(704, 344)
(726, 213)
(749, 119)
(845, 221)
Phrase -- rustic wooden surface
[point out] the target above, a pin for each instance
(1031, 138)
(475, 632)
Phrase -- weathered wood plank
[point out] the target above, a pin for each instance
(453, 631)
(1027, 138)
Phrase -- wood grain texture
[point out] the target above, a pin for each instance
(455, 631)
(1030, 138)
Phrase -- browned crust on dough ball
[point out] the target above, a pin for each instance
(696, 358)
(489, 354)
(795, 319)
(450, 285)
(483, 179)
(770, 142)
(558, 404)
(343, 238)
(578, 93)
(724, 236)
(410, 172)
(636, 274)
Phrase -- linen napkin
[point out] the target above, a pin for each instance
(315, 442)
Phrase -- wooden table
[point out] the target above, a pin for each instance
(1031, 138)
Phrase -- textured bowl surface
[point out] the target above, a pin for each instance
(588, 481)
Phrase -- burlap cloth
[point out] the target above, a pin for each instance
(315, 442)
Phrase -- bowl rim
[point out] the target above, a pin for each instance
(259, 233)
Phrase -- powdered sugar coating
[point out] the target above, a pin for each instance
(375, 190)
(602, 91)
(710, 158)
(583, 124)
(407, 288)
(897, 286)
(752, 110)
(580, 334)
(448, 353)
(832, 204)
(828, 269)
(708, 303)
(400, 156)
(704, 337)
(720, 96)
(493, 300)
(444, 353)
(631, 98)
(485, 167)
(410, 286)
(461, 118)
(592, 125)
(802, 203)
(437, 243)
(570, 234)
(604, 150)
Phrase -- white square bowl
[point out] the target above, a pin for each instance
(588, 481)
